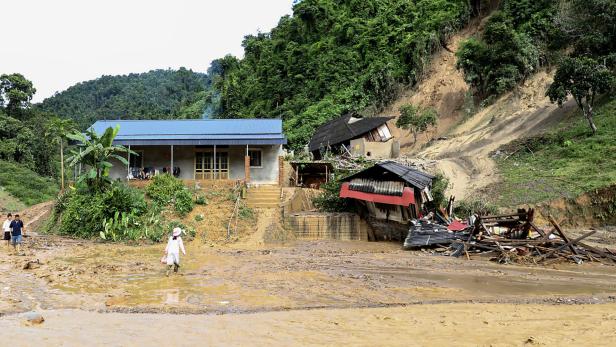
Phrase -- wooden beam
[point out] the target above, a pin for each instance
(562, 234)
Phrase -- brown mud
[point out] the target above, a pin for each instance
(415, 325)
(59, 273)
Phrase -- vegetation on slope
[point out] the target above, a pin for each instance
(578, 36)
(25, 184)
(151, 95)
(565, 162)
(332, 57)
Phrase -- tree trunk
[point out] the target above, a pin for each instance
(588, 114)
(414, 136)
(61, 166)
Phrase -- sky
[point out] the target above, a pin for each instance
(58, 43)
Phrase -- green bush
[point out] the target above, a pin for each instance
(245, 212)
(166, 190)
(330, 201)
(465, 208)
(163, 188)
(86, 213)
(440, 183)
(183, 202)
(199, 218)
(200, 200)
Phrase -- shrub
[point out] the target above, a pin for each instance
(86, 213)
(466, 208)
(330, 201)
(245, 212)
(200, 200)
(166, 189)
(199, 218)
(183, 202)
(440, 183)
(163, 188)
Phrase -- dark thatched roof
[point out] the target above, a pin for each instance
(387, 170)
(339, 130)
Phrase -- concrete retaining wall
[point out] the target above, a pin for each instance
(327, 226)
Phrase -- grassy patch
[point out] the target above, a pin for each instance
(9, 203)
(25, 184)
(563, 163)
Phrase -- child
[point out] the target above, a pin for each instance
(172, 250)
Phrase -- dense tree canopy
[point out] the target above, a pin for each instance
(514, 44)
(151, 95)
(332, 57)
(16, 91)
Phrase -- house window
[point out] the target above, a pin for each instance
(384, 132)
(255, 157)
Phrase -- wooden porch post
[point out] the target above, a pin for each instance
(171, 160)
(215, 173)
(128, 166)
(247, 166)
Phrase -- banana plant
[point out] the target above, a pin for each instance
(95, 154)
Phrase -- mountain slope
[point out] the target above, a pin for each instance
(333, 57)
(151, 95)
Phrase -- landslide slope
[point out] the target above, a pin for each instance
(469, 136)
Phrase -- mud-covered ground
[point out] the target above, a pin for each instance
(341, 280)
(62, 273)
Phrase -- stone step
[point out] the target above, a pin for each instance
(263, 205)
(257, 200)
(276, 191)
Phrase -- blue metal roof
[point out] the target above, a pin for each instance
(196, 131)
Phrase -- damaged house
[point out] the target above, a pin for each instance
(389, 195)
(369, 137)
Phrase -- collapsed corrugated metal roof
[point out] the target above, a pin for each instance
(343, 129)
(409, 174)
(196, 131)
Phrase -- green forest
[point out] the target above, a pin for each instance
(152, 95)
(333, 57)
(329, 58)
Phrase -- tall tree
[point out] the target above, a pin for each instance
(16, 91)
(56, 132)
(415, 119)
(583, 78)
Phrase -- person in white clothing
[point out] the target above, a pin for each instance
(6, 228)
(174, 245)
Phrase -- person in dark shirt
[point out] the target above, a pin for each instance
(17, 227)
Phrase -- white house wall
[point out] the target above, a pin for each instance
(184, 156)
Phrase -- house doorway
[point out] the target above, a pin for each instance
(205, 168)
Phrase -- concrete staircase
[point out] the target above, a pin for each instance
(263, 197)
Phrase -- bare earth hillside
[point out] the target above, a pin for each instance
(464, 155)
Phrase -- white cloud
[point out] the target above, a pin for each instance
(58, 43)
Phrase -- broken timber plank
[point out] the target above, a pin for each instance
(561, 233)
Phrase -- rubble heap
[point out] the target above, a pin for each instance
(506, 238)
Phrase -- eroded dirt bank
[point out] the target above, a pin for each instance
(425, 325)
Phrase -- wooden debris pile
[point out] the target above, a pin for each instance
(511, 238)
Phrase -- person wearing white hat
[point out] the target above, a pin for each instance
(174, 245)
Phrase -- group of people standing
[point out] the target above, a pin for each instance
(13, 228)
